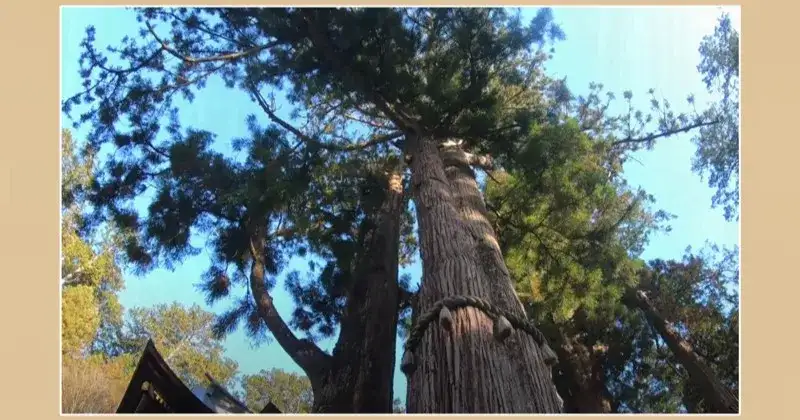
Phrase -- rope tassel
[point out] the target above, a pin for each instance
(502, 328)
(446, 319)
(549, 355)
(504, 325)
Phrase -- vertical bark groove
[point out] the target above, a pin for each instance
(467, 370)
(360, 377)
(357, 377)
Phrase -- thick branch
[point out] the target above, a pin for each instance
(484, 162)
(585, 379)
(352, 117)
(304, 352)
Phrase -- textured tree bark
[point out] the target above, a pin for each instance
(361, 374)
(719, 398)
(358, 376)
(467, 370)
(304, 352)
(585, 378)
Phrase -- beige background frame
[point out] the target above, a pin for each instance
(29, 204)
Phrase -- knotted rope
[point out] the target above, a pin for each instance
(500, 317)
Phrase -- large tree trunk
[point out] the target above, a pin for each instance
(361, 374)
(358, 376)
(719, 398)
(467, 370)
(584, 379)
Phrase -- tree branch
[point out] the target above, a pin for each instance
(668, 133)
(222, 57)
(399, 117)
(310, 140)
(68, 279)
(183, 342)
(484, 162)
(304, 352)
(117, 72)
(200, 26)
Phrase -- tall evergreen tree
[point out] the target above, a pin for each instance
(290, 392)
(91, 275)
(183, 336)
(441, 89)
(568, 261)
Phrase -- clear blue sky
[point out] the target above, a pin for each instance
(623, 48)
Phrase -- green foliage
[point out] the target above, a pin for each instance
(99, 354)
(199, 191)
(83, 265)
(718, 145)
(90, 273)
(76, 170)
(80, 318)
(569, 225)
(566, 227)
(571, 230)
(572, 276)
(183, 336)
(290, 392)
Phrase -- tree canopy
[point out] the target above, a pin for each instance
(290, 392)
(379, 97)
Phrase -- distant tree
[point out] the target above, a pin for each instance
(90, 272)
(290, 392)
(80, 319)
(693, 308)
(92, 386)
(718, 145)
(445, 90)
(183, 336)
(398, 407)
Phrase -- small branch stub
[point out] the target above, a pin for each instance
(549, 355)
(446, 319)
(502, 328)
(407, 364)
